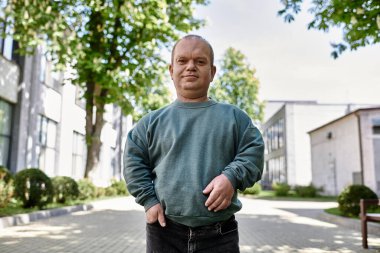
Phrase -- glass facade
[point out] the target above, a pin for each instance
(6, 44)
(274, 136)
(5, 132)
(78, 155)
(275, 165)
(47, 133)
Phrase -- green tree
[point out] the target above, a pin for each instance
(236, 84)
(113, 46)
(359, 20)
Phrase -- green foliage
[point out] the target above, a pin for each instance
(5, 174)
(87, 190)
(359, 20)
(120, 186)
(309, 191)
(254, 190)
(6, 192)
(100, 192)
(281, 189)
(113, 47)
(236, 84)
(110, 191)
(33, 187)
(349, 199)
(65, 188)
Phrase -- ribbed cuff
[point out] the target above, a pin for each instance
(150, 202)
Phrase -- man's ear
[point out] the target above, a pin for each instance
(213, 71)
(171, 71)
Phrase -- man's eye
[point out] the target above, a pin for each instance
(201, 62)
(181, 61)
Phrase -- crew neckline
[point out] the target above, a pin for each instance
(194, 105)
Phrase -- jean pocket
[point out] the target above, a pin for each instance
(228, 227)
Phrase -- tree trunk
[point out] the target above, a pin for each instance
(94, 126)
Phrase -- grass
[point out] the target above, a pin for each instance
(336, 211)
(270, 195)
(15, 207)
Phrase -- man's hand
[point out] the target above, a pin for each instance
(155, 213)
(221, 192)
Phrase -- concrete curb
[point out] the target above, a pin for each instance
(22, 219)
(373, 227)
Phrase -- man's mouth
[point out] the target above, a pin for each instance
(190, 76)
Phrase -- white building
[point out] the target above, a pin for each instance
(287, 154)
(42, 121)
(347, 151)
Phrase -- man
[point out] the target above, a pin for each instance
(185, 162)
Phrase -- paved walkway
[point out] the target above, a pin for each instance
(118, 226)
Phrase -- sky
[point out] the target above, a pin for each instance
(292, 62)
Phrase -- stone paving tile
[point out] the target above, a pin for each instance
(119, 226)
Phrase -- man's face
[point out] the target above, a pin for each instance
(191, 69)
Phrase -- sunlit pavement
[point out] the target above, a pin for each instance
(118, 225)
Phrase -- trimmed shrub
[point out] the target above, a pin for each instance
(5, 174)
(120, 186)
(6, 186)
(309, 191)
(254, 190)
(6, 192)
(349, 199)
(65, 188)
(87, 190)
(34, 188)
(100, 192)
(281, 189)
(110, 191)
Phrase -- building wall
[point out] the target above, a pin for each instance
(347, 151)
(371, 148)
(336, 155)
(305, 117)
(300, 118)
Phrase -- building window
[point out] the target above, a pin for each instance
(6, 44)
(79, 155)
(47, 132)
(5, 132)
(275, 171)
(79, 97)
(274, 136)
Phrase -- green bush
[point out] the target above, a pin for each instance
(349, 199)
(281, 189)
(33, 187)
(5, 174)
(254, 190)
(6, 192)
(120, 186)
(110, 191)
(309, 191)
(65, 188)
(6, 186)
(100, 192)
(87, 190)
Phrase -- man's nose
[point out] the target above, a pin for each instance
(191, 65)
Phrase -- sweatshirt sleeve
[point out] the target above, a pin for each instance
(247, 166)
(137, 171)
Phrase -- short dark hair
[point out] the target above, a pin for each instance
(197, 37)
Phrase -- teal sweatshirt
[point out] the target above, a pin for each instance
(173, 153)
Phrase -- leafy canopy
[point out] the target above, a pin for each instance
(236, 84)
(114, 44)
(359, 20)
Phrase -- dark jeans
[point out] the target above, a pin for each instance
(220, 237)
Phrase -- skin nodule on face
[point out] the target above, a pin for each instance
(191, 70)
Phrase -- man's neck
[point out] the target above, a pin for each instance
(192, 100)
